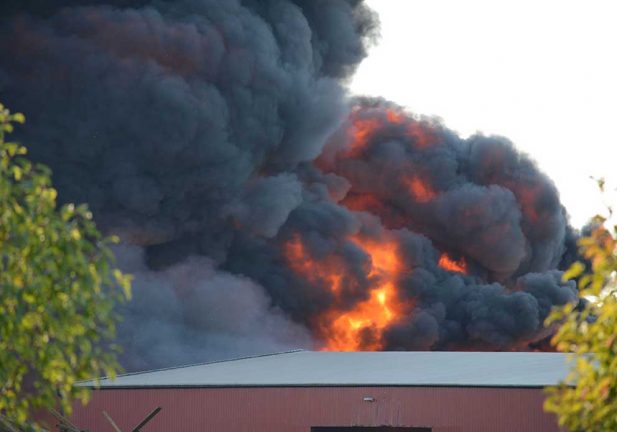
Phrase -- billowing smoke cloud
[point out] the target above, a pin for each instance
(445, 243)
(190, 311)
(259, 207)
(181, 122)
(158, 117)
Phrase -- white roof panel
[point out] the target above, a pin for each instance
(311, 368)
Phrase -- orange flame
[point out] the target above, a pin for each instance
(360, 327)
(420, 131)
(422, 134)
(315, 271)
(361, 133)
(422, 191)
(362, 129)
(447, 263)
(348, 330)
(395, 117)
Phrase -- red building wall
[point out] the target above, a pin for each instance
(296, 409)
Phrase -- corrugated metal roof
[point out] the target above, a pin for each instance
(310, 368)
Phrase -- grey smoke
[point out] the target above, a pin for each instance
(266, 204)
(180, 122)
(193, 311)
(191, 128)
(492, 206)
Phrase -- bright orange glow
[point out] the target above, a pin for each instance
(421, 190)
(348, 330)
(361, 132)
(379, 304)
(360, 327)
(363, 202)
(371, 316)
(362, 129)
(447, 263)
(315, 271)
(422, 134)
(395, 116)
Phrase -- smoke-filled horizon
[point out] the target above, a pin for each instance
(260, 207)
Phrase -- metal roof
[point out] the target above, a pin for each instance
(311, 368)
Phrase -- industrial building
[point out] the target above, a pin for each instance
(305, 391)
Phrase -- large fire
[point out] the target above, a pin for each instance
(361, 327)
(405, 188)
(297, 215)
(315, 271)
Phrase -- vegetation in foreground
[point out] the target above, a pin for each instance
(58, 290)
(587, 400)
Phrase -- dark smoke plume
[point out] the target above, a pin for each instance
(216, 138)
(180, 123)
(413, 183)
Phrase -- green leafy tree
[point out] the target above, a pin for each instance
(587, 400)
(58, 289)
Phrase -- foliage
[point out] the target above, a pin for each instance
(589, 403)
(57, 290)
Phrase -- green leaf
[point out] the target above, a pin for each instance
(58, 291)
(587, 399)
(574, 271)
(19, 118)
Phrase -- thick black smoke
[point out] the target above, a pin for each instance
(191, 128)
(180, 122)
(481, 200)
(159, 117)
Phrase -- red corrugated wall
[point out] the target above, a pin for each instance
(296, 409)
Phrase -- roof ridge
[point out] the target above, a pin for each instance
(190, 365)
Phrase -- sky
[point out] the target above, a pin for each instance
(542, 73)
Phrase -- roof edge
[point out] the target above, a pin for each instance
(84, 383)
(317, 385)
